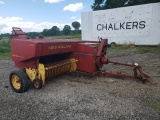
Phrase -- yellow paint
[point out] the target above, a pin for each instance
(73, 64)
(48, 70)
(32, 73)
(41, 73)
(16, 82)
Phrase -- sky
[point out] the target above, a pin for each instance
(36, 15)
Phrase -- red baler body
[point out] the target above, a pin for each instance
(26, 53)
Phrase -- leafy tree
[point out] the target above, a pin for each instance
(33, 34)
(5, 35)
(146, 1)
(54, 31)
(67, 30)
(45, 32)
(97, 5)
(76, 25)
(108, 4)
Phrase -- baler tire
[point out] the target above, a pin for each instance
(37, 83)
(19, 81)
(113, 44)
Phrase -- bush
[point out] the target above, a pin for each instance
(4, 47)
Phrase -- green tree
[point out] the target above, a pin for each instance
(67, 30)
(108, 4)
(97, 5)
(5, 35)
(147, 1)
(33, 34)
(76, 25)
(54, 31)
(45, 32)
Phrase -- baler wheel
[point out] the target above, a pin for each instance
(113, 44)
(19, 81)
(37, 83)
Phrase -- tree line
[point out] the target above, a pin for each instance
(54, 31)
(108, 4)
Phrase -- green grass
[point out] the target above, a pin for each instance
(5, 56)
(76, 37)
(153, 105)
(121, 47)
(143, 49)
(139, 49)
(4, 49)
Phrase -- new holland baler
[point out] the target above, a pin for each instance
(41, 58)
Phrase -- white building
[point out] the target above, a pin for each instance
(139, 25)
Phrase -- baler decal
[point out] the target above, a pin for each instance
(17, 56)
(59, 47)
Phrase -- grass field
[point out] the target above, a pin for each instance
(75, 37)
(4, 49)
(139, 49)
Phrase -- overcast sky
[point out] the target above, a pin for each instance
(35, 15)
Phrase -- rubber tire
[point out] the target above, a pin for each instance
(23, 79)
(38, 82)
(113, 44)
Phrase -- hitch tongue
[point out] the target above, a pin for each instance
(138, 72)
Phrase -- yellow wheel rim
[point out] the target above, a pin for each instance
(16, 82)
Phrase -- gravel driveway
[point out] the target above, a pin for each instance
(79, 96)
